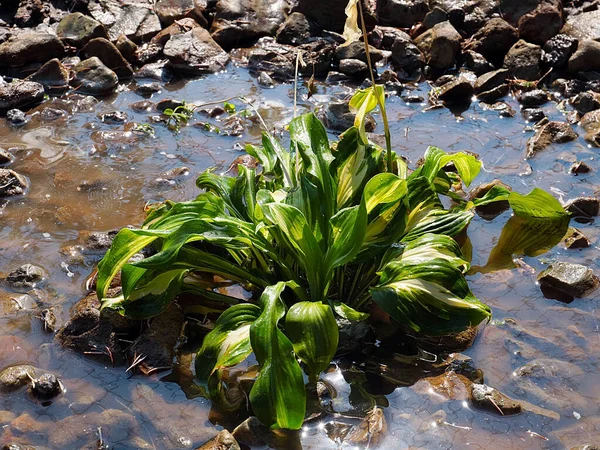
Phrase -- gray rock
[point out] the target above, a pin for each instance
(495, 39)
(222, 441)
(169, 11)
(178, 27)
(26, 276)
(239, 21)
(353, 335)
(168, 104)
(354, 67)
(148, 89)
(440, 45)
(536, 97)
(533, 114)
(338, 117)
(435, 16)
(20, 94)
(586, 102)
(110, 56)
(15, 377)
(405, 54)
(580, 167)
(31, 12)
(542, 23)
(402, 13)
(523, 61)
(572, 280)
(583, 26)
(468, 15)
(158, 71)
(584, 206)
(12, 183)
(94, 78)
(195, 53)
(477, 63)
(548, 134)
(356, 50)
(296, 29)
(586, 58)
(558, 50)
(459, 90)
(490, 399)
(29, 47)
(265, 80)
(491, 80)
(77, 29)
(52, 75)
(16, 117)
(136, 20)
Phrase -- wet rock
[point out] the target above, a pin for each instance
(440, 45)
(542, 23)
(450, 385)
(575, 239)
(5, 157)
(31, 12)
(406, 55)
(158, 342)
(13, 303)
(45, 387)
(590, 122)
(327, 15)
(239, 21)
(15, 377)
(12, 183)
(110, 56)
(94, 78)
(536, 97)
(52, 75)
(495, 39)
(195, 53)
(492, 85)
(222, 441)
(402, 13)
(354, 67)
(253, 433)
(356, 50)
(523, 61)
(413, 98)
(586, 102)
(265, 80)
(296, 29)
(452, 342)
(587, 57)
(77, 29)
(558, 50)
(491, 400)
(494, 209)
(20, 94)
(533, 114)
(135, 20)
(370, 431)
(580, 167)
(169, 11)
(158, 70)
(16, 446)
(584, 206)
(49, 320)
(178, 27)
(477, 63)
(114, 117)
(352, 335)
(459, 90)
(16, 117)
(126, 47)
(148, 89)
(168, 104)
(26, 276)
(504, 110)
(29, 48)
(583, 26)
(338, 117)
(572, 280)
(550, 133)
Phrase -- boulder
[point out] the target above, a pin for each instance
(583, 26)
(110, 56)
(12, 183)
(237, 22)
(406, 55)
(52, 75)
(494, 40)
(542, 23)
(30, 47)
(550, 133)
(136, 20)
(77, 29)
(356, 50)
(440, 45)
(435, 16)
(557, 50)
(297, 29)
(20, 94)
(402, 13)
(476, 63)
(94, 78)
(572, 280)
(523, 61)
(195, 53)
(586, 57)
(26, 276)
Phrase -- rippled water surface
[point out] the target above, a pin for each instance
(87, 175)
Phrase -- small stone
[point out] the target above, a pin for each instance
(459, 90)
(148, 89)
(26, 276)
(222, 441)
(12, 183)
(575, 239)
(94, 78)
(5, 157)
(15, 377)
(265, 80)
(536, 97)
(572, 280)
(114, 117)
(558, 50)
(490, 399)
(533, 114)
(494, 39)
(168, 104)
(110, 56)
(53, 76)
(580, 167)
(353, 67)
(440, 45)
(45, 387)
(296, 29)
(550, 133)
(477, 63)
(584, 206)
(370, 431)
(413, 98)
(16, 117)
(586, 102)
(195, 52)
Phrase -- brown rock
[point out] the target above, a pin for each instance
(29, 48)
(110, 56)
(550, 133)
(52, 75)
(523, 61)
(490, 399)
(195, 53)
(222, 441)
(440, 45)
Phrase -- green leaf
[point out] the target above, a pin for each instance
(346, 312)
(467, 166)
(314, 334)
(436, 221)
(278, 397)
(363, 102)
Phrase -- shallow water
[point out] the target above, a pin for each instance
(87, 175)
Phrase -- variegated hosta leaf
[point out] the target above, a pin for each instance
(314, 334)
(466, 165)
(431, 297)
(278, 397)
(363, 102)
(422, 221)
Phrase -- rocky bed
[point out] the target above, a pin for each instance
(539, 52)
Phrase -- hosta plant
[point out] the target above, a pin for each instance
(320, 231)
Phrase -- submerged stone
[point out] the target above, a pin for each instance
(550, 133)
(575, 239)
(490, 399)
(26, 276)
(12, 183)
(45, 387)
(571, 280)
(15, 377)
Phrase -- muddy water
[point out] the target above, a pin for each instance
(87, 175)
